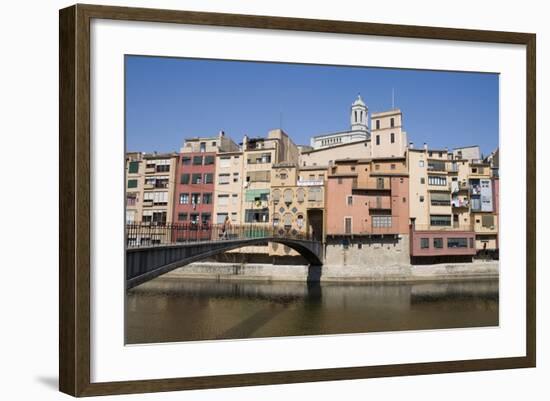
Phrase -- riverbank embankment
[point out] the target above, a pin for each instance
(476, 270)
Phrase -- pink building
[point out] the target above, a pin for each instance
(367, 197)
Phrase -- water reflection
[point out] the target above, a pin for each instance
(165, 310)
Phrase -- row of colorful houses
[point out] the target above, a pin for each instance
(365, 193)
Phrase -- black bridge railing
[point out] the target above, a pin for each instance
(144, 234)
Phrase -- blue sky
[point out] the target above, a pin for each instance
(169, 99)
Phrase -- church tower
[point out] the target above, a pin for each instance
(358, 116)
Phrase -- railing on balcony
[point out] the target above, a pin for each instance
(372, 183)
(452, 227)
(144, 234)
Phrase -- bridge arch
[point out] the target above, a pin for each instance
(144, 264)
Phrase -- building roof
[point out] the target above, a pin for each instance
(359, 101)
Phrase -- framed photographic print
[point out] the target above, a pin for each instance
(250, 200)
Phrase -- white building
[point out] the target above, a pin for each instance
(359, 128)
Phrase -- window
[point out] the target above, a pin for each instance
(223, 179)
(380, 183)
(197, 160)
(133, 167)
(196, 178)
(202, 147)
(340, 180)
(275, 220)
(392, 166)
(421, 163)
(457, 243)
(132, 183)
(186, 160)
(421, 198)
(234, 217)
(424, 243)
(157, 198)
(223, 200)
(437, 180)
(184, 199)
(392, 123)
(283, 176)
(440, 220)
(206, 218)
(220, 218)
(194, 218)
(315, 194)
(381, 221)
(287, 220)
(487, 221)
(471, 242)
(378, 139)
(163, 168)
(377, 166)
(300, 195)
(184, 179)
(208, 178)
(259, 176)
(288, 195)
(392, 138)
(347, 225)
(182, 216)
(440, 199)
(256, 215)
(208, 160)
(350, 200)
(207, 198)
(235, 177)
(300, 221)
(157, 182)
(438, 242)
(195, 198)
(159, 217)
(234, 199)
(131, 199)
(377, 124)
(214, 143)
(276, 195)
(422, 180)
(225, 161)
(266, 158)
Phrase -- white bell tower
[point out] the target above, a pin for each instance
(358, 116)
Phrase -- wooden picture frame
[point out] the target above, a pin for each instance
(74, 203)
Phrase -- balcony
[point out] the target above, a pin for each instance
(147, 202)
(148, 186)
(372, 184)
(460, 203)
(452, 227)
(150, 170)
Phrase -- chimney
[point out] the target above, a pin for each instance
(245, 142)
(411, 145)
(425, 146)
(222, 133)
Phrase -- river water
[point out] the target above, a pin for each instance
(169, 309)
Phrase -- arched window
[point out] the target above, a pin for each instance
(300, 221)
(287, 220)
(276, 195)
(300, 194)
(288, 195)
(276, 219)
